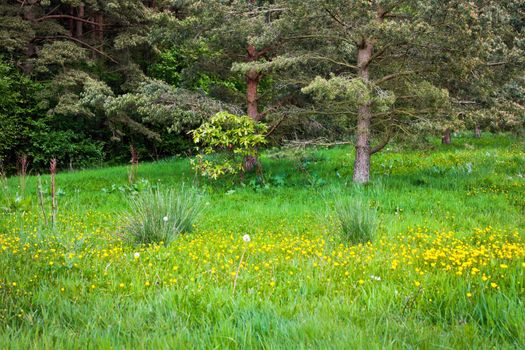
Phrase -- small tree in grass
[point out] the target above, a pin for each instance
(227, 145)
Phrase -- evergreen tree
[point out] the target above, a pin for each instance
(388, 65)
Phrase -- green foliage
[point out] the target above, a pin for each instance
(224, 142)
(169, 66)
(71, 149)
(18, 109)
(160, 216)
(354, 90)
(357, 221)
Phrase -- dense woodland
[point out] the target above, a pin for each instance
(83, 81)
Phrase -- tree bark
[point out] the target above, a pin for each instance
(447, 137)
(71, 23)
(79, 24)
(364, 117)
(477, 131)
(252, 82)
(99, 18)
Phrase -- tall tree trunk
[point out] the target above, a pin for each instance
(71, 24)
(364, 117)
(99, 18)
(477, 131)
(252, 82)
(447, 137)
(79, 24)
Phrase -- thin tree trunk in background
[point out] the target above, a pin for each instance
(252, 82)
(477, 131)
(71, 23)
(99, 18)
(447, 137)
(79, 24)
(364, 117)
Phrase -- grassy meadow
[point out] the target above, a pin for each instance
(446, 270)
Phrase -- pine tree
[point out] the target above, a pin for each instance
(390, 66)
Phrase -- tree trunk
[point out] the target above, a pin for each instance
(79, 24)
(447, 137)
(364, 117)
(477, 131)
(100, 28)
(70, 23)
(252, 82)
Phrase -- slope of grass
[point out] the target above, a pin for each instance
(447, 269)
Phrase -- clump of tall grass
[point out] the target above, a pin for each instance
(356, 219)
(162, 215)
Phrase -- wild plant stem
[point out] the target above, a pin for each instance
(53, 171)
(238, 270)
(41, 200)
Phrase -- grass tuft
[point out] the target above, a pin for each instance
(357, 221)
(157, 216)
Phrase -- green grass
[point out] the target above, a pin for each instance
(86, 287)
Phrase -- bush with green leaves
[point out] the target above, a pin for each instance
(357, 221)
(225, 141)
(18, 109)
(157, 216)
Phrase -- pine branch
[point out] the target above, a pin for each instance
(339, 63)
(337, 19)
(317, 36)
(83, 43)
(275, 126)
(495, 64)
(44, 18)
(382, 144)
(393, 76)
(317, 142)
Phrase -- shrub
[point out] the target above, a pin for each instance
(226, 141)
(70, 148)
(160, 216)
(356, 220)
